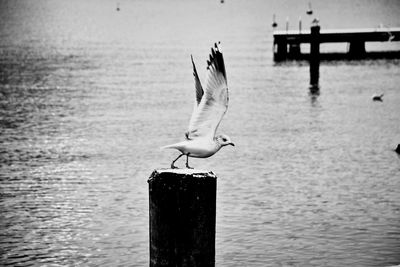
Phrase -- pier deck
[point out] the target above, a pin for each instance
(287, 43)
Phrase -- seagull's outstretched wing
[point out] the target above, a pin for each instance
(199, 93)
(197, 84)
(214, 103)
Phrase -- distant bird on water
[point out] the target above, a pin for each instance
(377, 97)
(210, 106)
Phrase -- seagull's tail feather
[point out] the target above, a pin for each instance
(167, 147)
(172, 146)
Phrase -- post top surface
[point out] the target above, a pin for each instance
(193, 173)
(185, 171)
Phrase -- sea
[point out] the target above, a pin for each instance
(89, 94)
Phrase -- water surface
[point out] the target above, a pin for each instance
(89, 94)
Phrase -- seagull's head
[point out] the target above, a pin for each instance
(224, 140)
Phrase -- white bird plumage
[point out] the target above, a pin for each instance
(210, 106)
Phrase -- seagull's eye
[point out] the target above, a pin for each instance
(223, 139)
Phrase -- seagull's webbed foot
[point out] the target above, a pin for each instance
(173, 166)
(187, 166)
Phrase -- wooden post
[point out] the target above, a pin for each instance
(294, 50)
(357, 49)
(314, 59)
(299, 24)
(287, 24)
(280, 49)
(182, 217)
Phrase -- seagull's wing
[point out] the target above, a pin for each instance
(197, 84)
(214, 103)
(199, 93)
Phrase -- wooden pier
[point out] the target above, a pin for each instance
(287, 43)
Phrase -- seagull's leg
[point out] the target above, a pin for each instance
(172, 164)
(187, 162)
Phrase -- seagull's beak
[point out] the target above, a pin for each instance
(232, 144)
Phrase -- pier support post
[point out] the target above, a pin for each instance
(280, 49)
(357, 49)
(182, 205)
(294, 50)
(314, 59)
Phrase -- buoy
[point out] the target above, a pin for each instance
(309, 11)
(274, 24)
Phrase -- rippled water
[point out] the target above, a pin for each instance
(88, 95)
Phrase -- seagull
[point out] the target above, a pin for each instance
(315, 22)
(377, 97)
(210, 106)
